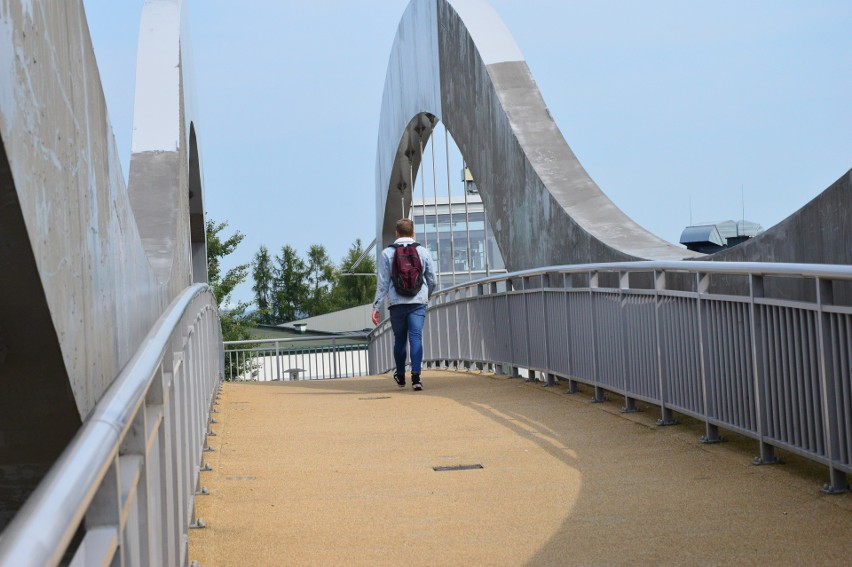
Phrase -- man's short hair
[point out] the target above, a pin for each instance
(405, 227)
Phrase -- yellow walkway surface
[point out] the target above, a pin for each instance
(341, 472)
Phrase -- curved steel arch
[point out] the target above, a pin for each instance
(454, 60)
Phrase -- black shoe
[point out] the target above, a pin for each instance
(415, 382)
(400, 380)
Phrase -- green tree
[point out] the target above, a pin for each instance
(354, 290)
(321, 279)
(236, 322)
(263, 285)
(290, 289)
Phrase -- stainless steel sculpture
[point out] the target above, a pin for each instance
(455, 61)
(89, 265)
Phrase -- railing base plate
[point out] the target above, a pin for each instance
(833, 490)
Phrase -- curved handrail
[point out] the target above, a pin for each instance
(296, 339)
(689, 266)
(43, 528)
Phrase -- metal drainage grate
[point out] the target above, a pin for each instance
(376, 398)
(241, 478)
(457, 468)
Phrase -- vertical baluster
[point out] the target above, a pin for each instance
(838, 479)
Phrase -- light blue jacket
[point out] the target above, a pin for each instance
(385, 289)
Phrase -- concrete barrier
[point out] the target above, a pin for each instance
(88, 266)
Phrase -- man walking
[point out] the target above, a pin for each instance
(406, 279)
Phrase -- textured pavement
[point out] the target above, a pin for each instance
(341, 473)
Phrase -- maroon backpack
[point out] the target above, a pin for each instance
(406, 269)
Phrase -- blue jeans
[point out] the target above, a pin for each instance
(407, 324)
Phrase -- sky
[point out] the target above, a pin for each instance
(681, 111)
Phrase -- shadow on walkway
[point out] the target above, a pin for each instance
(341, 472)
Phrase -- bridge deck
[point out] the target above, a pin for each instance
(341, 472)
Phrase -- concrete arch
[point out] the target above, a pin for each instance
(165, 184)
(454, 60)
(84, 280)
(818, 233)
(197, 222)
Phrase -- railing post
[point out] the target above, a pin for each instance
(525, 285)
(838, 481)
(480, 294)
(105, 509)
(666, 417)
(549, 377)
(573, 388)
(513, 370)
(623, 286)
(277, 362)
(436, 321)
(599, 396)
(336, 352)
(767, 451)
(469, 295)
(428, 351)
(463, 294)
(449, 306)
(498, 366)
(711, 431)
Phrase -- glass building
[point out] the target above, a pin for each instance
(458, 235)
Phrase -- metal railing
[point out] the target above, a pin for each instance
(128, 479)
(298, 358)
(726, 343)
